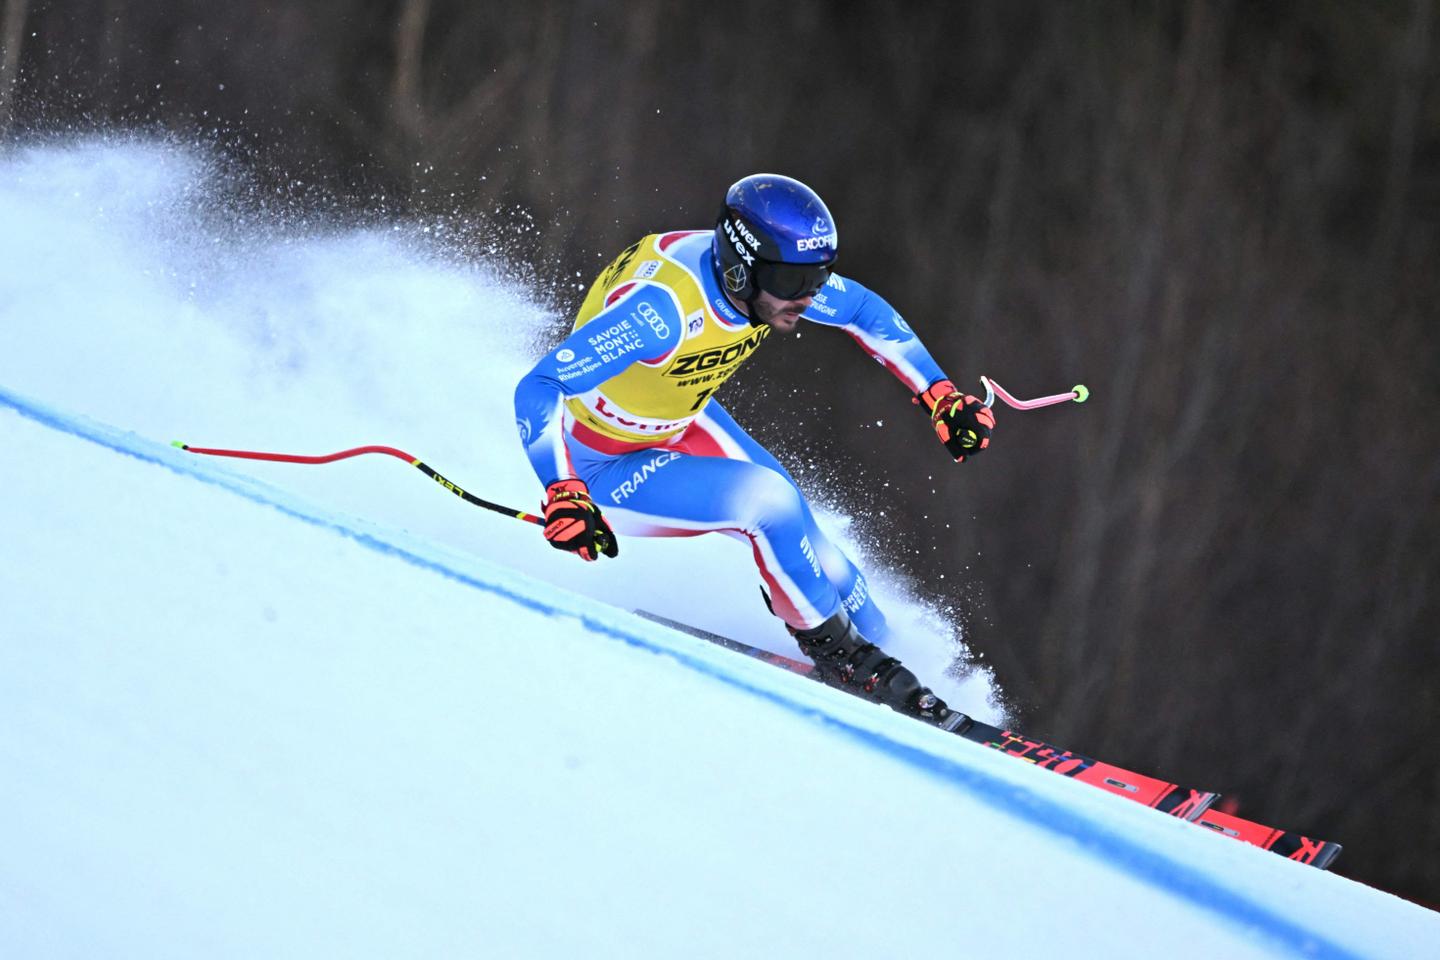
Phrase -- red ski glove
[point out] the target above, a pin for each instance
(962, 422)
(574, 523)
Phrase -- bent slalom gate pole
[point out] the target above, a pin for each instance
(358, 451)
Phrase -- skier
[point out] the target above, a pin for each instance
(622, 415)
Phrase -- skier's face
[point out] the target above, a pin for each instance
(782, 316)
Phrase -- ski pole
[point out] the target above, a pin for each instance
(1079, 393)
(358, 451)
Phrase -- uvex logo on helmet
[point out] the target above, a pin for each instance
(750, 238)
(730, 231)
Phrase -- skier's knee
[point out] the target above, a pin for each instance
(771, 499)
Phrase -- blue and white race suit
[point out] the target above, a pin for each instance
(626, 404)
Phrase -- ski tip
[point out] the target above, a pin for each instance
(1082, 392)
(181, 445)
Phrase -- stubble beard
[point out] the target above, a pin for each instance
(782, 320)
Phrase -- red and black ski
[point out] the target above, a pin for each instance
(1183, 802)
(1287, 843)
(1190, 805)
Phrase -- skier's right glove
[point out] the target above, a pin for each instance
(574, 523)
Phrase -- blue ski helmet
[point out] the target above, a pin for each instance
(774, 234)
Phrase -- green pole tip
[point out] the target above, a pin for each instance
(1082, 393)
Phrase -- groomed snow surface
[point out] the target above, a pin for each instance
(238, 721)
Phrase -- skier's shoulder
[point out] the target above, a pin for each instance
(684, 250)
(669, 259)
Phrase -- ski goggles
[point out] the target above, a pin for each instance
(790, 281)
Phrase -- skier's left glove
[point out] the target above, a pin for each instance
(574, 523)
(962, 422)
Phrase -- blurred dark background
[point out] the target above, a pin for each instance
(1223, 217)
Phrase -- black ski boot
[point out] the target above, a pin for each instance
(847, 661)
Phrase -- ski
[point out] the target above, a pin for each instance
(1288, 844)
(1169, 798)
(1190, 805)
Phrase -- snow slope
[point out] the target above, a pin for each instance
(237, 721)
(152, 286)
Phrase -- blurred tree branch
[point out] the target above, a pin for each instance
(12, 33)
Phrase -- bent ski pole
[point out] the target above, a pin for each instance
(358, 451)
(1080, 393)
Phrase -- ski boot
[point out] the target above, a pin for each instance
(847, 661)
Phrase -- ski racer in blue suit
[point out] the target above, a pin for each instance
(622, 427)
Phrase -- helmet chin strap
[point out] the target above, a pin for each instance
(750, 304)
(750, 300)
